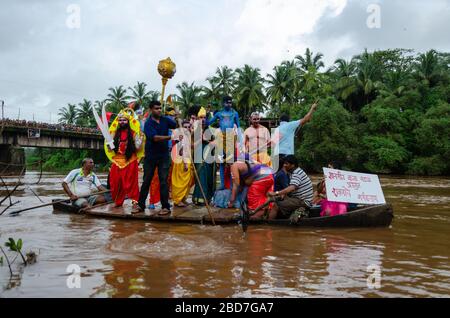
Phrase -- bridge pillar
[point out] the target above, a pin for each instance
(12, 160)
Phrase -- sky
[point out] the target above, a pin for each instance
(56, 52)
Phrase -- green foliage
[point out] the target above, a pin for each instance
(430, 166)
(331, 136)
(63, 160)
(13, 245)
(385, 111)
(384, 155)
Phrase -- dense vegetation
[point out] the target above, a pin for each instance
(64, 160)
(381, 112)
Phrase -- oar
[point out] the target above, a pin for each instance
(55, 202)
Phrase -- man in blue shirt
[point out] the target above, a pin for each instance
(157, 155)
(285, 135)
(228, 119)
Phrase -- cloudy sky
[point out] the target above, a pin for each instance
(48, 60)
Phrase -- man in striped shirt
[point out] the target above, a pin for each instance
(298, 194)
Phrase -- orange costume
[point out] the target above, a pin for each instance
(123, 177)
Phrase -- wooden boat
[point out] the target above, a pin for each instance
(369, 216)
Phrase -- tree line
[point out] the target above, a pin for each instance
(385, 111)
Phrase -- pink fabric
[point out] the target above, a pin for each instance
(330, 208)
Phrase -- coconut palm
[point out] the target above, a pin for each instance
(117, 99)
(369, 75)
(224, 79)
(344, 74)
(85, 117)
(304, 63)
(249, 91)
(211, 92)
(139, 93)
(67, 115)
(427, 68)
(189, 95)
(281, 86)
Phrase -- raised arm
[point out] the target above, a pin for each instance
(309, 115)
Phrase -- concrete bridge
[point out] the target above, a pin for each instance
(13, 139)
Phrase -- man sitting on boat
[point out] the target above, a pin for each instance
(80, 184)
(298, 194)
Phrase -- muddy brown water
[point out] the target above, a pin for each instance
(135, 259)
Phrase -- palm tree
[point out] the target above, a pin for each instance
(369, 74)
(395, 83)
(211, 93)
(98, 105)
(68, 114)
(85, 117)
(153, 95)
(304, 63)
(139, 93)
(249, 91)
(189, 95)
(224, 79)
(117, 99)
(427, 68)
(281, 87)
(344, 74)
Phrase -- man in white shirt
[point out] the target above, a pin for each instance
(81, 183)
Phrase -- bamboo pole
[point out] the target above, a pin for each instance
(55, 202)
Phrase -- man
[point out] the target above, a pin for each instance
(228, 119)
(157, 155)
(259, 180)
(285, 134)
(128, 139)
(300, 189)
(257, 139)
(80, 183)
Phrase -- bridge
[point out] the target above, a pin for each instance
(49, 138)
(14, 138)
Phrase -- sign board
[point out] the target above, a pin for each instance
(34, 133)
(353, 187)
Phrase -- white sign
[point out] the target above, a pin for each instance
(353, 187)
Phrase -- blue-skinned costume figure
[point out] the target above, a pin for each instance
(228, 119)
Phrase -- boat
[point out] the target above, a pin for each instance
(363, 216)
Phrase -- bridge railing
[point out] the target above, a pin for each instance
(17, 123)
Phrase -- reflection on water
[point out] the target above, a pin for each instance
(135, 259)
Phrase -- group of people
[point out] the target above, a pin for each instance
(179, 154)
(38, 125)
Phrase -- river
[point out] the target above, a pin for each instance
(135, 259)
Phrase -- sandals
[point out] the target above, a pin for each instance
(164, 212)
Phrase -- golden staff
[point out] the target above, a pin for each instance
(167, 69)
